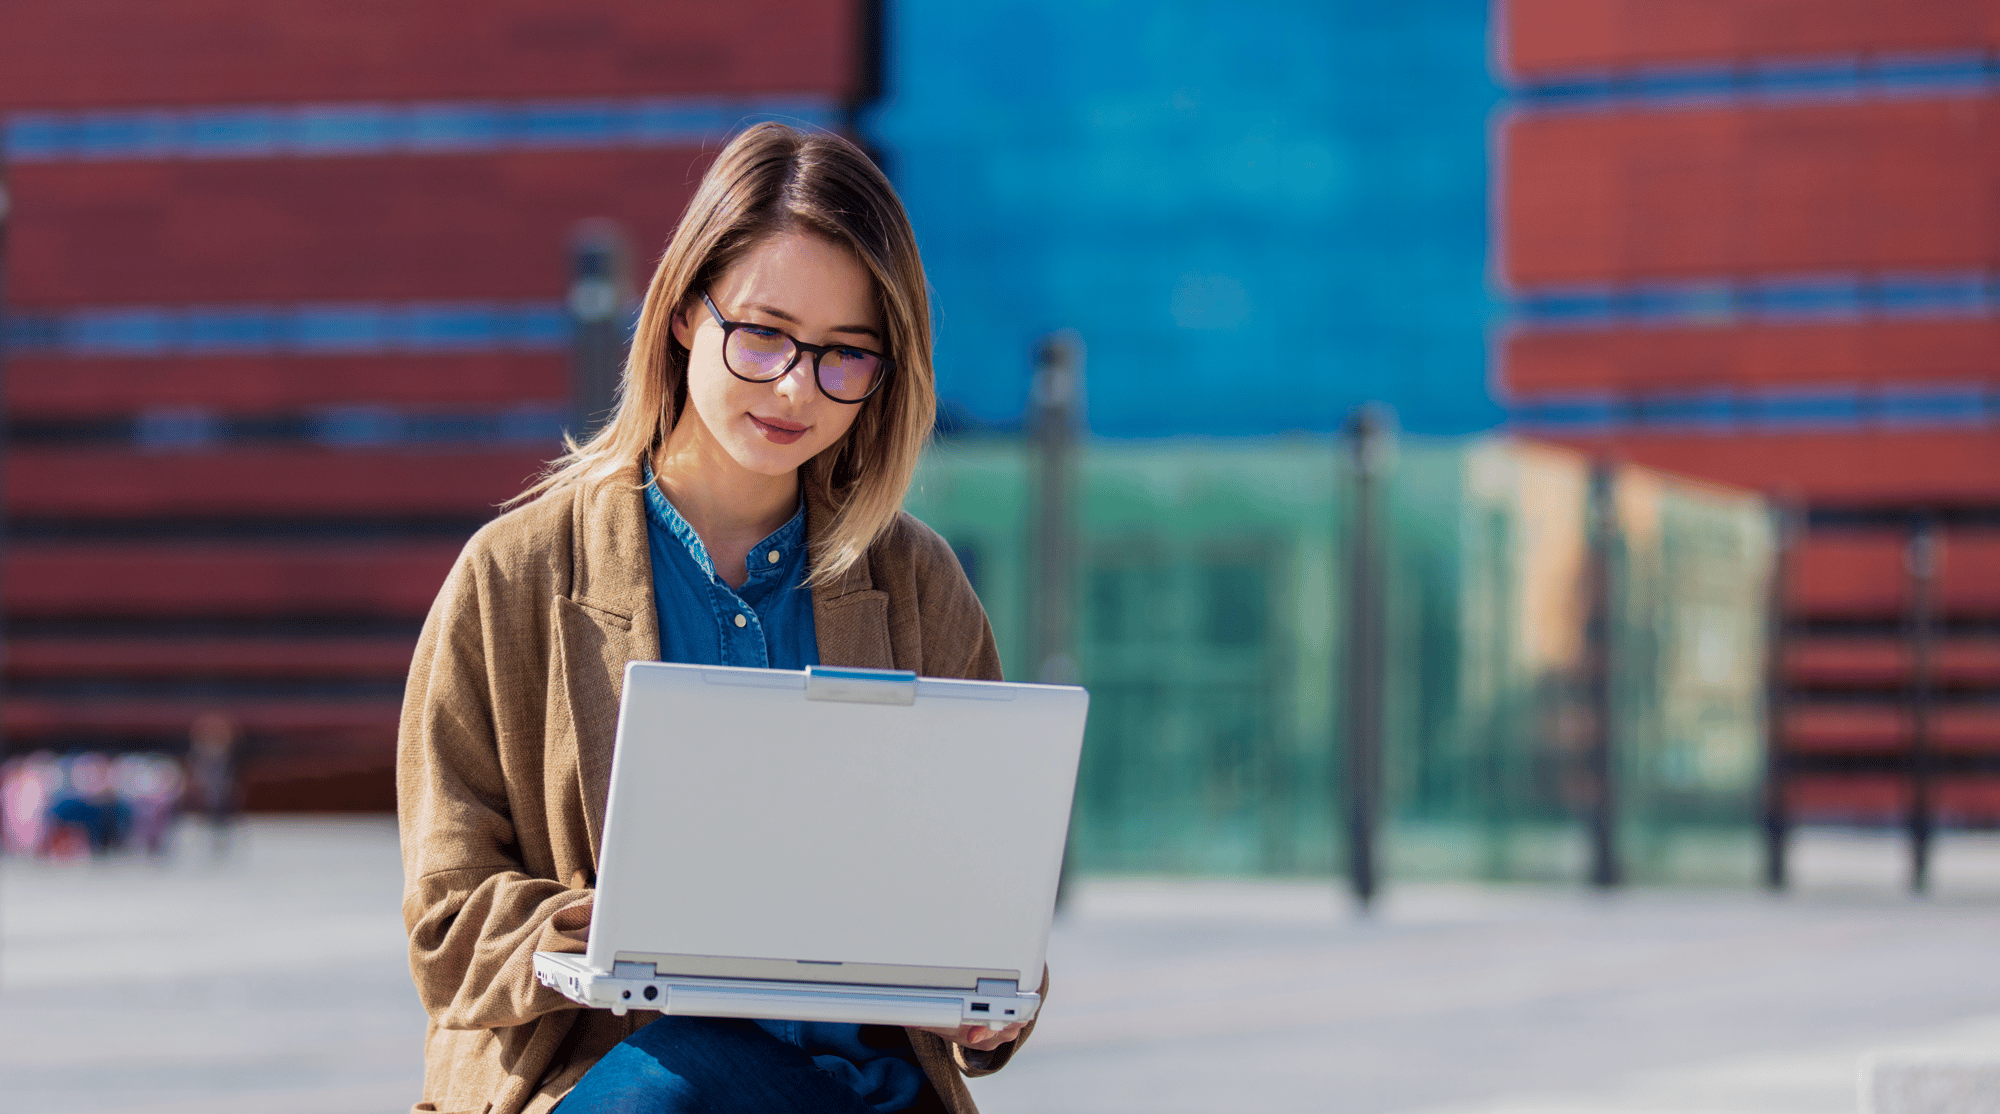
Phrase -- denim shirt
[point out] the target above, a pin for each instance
(767, 624)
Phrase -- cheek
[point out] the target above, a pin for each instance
(709, 385)
(844, 421)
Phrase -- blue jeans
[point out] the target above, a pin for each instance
(709, 1065)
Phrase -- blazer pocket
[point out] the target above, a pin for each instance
(855, 631)
(603, 613)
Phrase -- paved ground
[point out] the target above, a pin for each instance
(274, 981)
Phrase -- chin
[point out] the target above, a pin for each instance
(773, 460)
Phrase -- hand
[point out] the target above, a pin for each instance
(573, 921)
(979, 1038)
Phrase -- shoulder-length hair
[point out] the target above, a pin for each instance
(770, 180)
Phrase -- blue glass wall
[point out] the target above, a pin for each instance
(1258, 215)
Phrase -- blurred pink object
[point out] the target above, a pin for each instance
(27, 785)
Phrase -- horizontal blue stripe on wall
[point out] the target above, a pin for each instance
(316, 329)
(341, 427)
(1766, 81)
(1834, 407)
(1776, 298)
(334, 130)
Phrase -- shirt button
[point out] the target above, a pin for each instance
(742, 622)
(773, 556)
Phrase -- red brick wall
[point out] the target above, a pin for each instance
(47, 387)
(1745, 190)
(289, 229)
(249, 483)
(1849, 354)
(109, 53)
(1560, 36)
(1876, 467)
(289, 573)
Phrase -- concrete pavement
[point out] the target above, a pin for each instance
(274, 981)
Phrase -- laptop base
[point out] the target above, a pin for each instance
(568, 974)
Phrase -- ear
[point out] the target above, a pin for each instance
(683, 328)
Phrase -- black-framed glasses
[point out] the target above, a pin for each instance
(759, 354)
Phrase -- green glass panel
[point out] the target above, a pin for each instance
(1210, 632)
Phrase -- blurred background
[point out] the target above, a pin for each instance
(1551, 441)
(1679, 520)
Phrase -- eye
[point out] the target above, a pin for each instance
(854, 353)
(760, 331)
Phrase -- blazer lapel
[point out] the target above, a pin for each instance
(850, 617)
(608, 619)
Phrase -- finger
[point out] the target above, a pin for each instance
(986, 1039)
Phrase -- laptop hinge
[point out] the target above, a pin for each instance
(861, 686)
(624, 970)
(1000, 988)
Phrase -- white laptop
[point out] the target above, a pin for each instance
(829, 844)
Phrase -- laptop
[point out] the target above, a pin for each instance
(828, 844)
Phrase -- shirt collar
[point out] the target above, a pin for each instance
(785, 540)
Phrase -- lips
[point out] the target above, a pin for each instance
(777, 430)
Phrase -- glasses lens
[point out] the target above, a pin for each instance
(757, 353)
(849, 373)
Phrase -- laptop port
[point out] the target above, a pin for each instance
(652, 992)
(980, 1007)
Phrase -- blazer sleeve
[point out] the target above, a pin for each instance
(475, 916)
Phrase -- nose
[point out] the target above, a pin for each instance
(799, 382)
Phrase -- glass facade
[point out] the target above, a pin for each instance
(1212, 638)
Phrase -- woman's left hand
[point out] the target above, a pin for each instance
(979, 1038)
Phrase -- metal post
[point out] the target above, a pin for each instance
(1501, 721)
(1056, 421)
(1777, 823)
(1601, 642)
(1369, 444)
(600, 289)
(1055, 425)
(1922, 562)
(871, 51)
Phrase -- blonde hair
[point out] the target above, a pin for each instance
(770, 180)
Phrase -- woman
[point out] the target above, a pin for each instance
(743, 508)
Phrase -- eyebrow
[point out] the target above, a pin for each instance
(774, 311)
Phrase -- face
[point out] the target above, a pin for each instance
(795, 283)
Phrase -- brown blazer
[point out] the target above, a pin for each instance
(504, 761)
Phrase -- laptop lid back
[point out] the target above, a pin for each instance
(846, 826)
